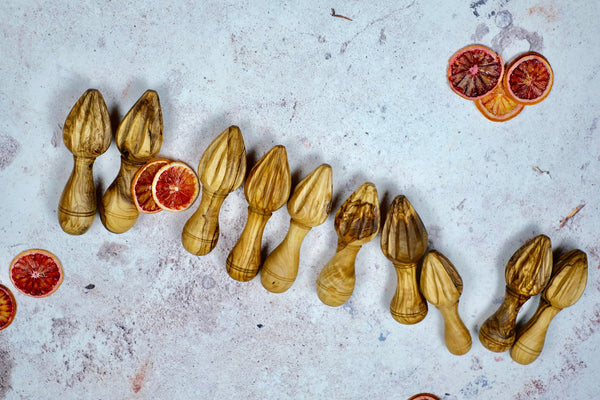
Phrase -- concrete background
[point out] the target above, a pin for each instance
(369, 97)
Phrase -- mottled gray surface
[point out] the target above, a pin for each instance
(139, 317)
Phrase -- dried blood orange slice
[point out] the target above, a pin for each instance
(424, 396)
(498, 106)
(175, 187)
(474, 71)
(528, 78)
(8, 307)
(36, 273)
(141, 186)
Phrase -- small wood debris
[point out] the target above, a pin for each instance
(333, 14)
(570, 215)
(539, 170)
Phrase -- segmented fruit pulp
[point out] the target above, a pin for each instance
(175, 187)
(8, 307)
(474, 71)
(141, 187)
(529, 78)
(498, 106)
(36, 273)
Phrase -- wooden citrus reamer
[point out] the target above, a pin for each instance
(404, 242)
(527, 273)
(221, 170)
(267, 188)
(87, 134)
(442, 286)
(308, 207)
(568, 281)
(356, 223)
(138, 138)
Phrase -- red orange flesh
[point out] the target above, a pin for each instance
(474, 71)
(8, 307)
(529, 78)
(141, 186)
(36, 273)
(175, 187)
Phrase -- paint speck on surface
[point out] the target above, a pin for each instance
(57, 136)
(589, 325)
(512, 36)
(594, 125)
(461, 205)
(498, 358)
(383, 337)
(344, 46)
(349, 307)
(9, 148)
(548, 12)
(535, 387)
(6, 365)
(140, 376)
(208, 282)
(305, 142)
(382, 37)
(475, 363)
(539, 389)
(481, 30)
(259, 326)
(63, 329)
(571, 367)
(434, 233)
(90, 286)
(111, 251)
(294, 111)
(503, 19)
(125, 91)
(475, 6)
(475, 388)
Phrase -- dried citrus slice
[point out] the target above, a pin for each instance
(528, 78)
(498, 106)
(424, 396)
(175, 187)
(475, 71)
(8, 307)
(141, 186)
(36, 273)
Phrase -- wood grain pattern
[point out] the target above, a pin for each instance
(567, 283)
(221, 171)
(267, 189)
(442, 285)
(404, 241)
(87, 134)
(356, 223)
(527, 273)
(138, 138)
(308, 207)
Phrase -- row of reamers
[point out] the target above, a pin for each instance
(87, 134)
(267, 188)
(529, 271)
(221, 170)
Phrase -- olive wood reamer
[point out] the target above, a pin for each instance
(138, 138)
(221, 171)
(87, 134)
